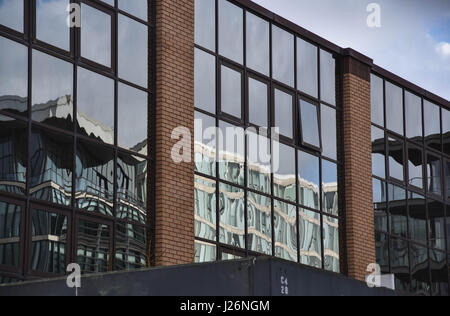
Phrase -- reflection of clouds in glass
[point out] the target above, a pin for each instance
(205, 81)
(308, 167)
(231, 31)
(11, 14)
(283, 55)
(133, 48)
(283, 112)
(51, 25)
(95, 35)
(327, 77)
(138, 8)
(52, 78)
(13, 68)
(132, 116)
(258, 50)
(205, 23)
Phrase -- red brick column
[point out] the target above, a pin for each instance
(174, 235)
(360, 240)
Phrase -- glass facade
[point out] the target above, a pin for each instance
(74, 154)
(411, 188)
(258, 190)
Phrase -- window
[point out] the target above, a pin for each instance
(432, 120)
(131, 247)
(379, 205)
(205, 144)
(415, 166)
(328, 125)
(395, 150)
(310, 238)
(394, 108)
(258, 46)
(397, 211)
(258, 102)
(417, 217)
(231, 91)
(327, 78)
(436, 222)
(331, 243)
(205, 81)
(310, 124)
(205, 208)
(231, 31)
(138, 8)
(413, 113)
(10, 233)
(205, 25)
(330, 203)
(446, 130)
(258, 163)
(232, 217)
(283, 104)
(259, 226)
(283, 56)
(378, 153)
(284, 181)
(434, 174)
(377, 100)
(51, 25)
(231, 153)
(285, 230)
(11, 14)
(307, 68)
(14, 75)
(308, 180)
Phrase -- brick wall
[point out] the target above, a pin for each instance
(360, 240)
(174, 235)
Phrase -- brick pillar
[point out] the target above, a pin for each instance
(360, 240)
(174, 231)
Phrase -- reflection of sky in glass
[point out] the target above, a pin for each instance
(138, 8)
(328, 117)
(258, 50)
(307, 67)
(132, 116)
(13, 68)
(204, 81)
(132, 53)
(51, 25)
(376, 99)
(327, 77)
(432, 118)
(11, 14)
(205, 24)
(394, 108)
(308, 168)
(257, 102)
(413, 112)
(95, 35)
(329, 173)
(310, 125)
(283, 55)
(283, 112)
(231, 91)
(231, 31)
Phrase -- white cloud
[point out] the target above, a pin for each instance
(443, 49)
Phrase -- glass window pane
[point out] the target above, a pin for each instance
(397, 211)
(285, 222)
(382, 251)
(258, 50)
(110, 2)
(93, 249)
(417, 218)
(205, 81)
(52, 101)
(282, 56)
(284, 180)
(439, 273)
(132, 119)
(138, 8)
(327, 77)
(231, 91)
(10, 219)
(283, 113)
(400, 263)
(378, 153)
(232, 215)
(131, 247)
(419, 269)
(330, 202)
(446, 130)
(133, 51)
(13, 76)
(205, 24)
(394, 108)
(447, 181)
(434, 174)
(258, 163)
(11, 14)
(132, 188)
(231, 153)
(51, 24)
(307, 68)
(258, 102)
(376, 100)
(205, 208)
(329, 138)
(51, 167)
(379, 205)
(395, 147)
(204, 252)
(205, 144)
(308, 180)
(95, 106)
(331, 243)
(413, 112)
(432, 125)
(310, 238)
(94, 178)
(231, 31)
(310, 125)
(13, 157)
(415, 167)
(49, 242)
(259, 214)
(95, 35)
(436, 217)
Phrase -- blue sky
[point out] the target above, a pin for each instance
(412, 42)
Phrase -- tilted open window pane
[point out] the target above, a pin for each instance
(307, 68)
(310, 123)
(231, 31)
(283, 56)
(394, 108)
